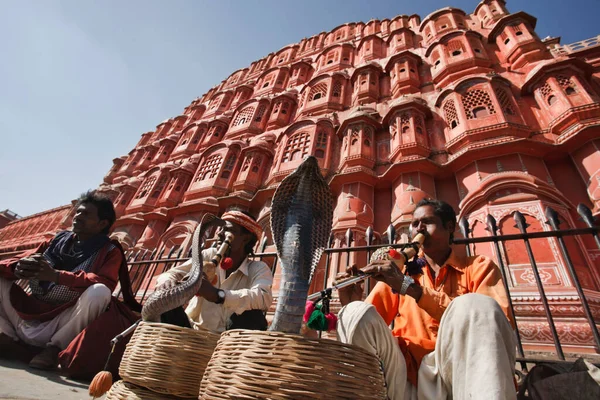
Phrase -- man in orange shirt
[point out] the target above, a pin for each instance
(452, 335)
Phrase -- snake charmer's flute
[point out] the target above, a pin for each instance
(177, 316)
(407, 253)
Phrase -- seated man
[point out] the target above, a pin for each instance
(451, 337)
(71, 280)
(239, 295)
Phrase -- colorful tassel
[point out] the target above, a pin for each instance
(331, 322)
(101, 384)
(310, 307)
(317, 320)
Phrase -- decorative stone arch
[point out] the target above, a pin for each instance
(506, 180)
(126, 240)
(178, 234)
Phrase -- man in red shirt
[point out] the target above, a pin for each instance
(70, 278)
(452, 336)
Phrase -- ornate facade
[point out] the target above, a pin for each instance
(474, 109)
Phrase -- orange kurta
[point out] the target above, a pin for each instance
(416, 324)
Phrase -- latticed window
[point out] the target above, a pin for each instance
(244, 116)
(455, 47)
(337, 89)
(256, 163)
(477, 104)
(285, 107)
(354, 136)
(567, 84)
(162, 182)
(216, 130)
(186, 137)
(517, 29)
(260, 113)
(505, 102)
(318, 91)
(443, 24)
(229, 165)
(393, 128)
(276, 107)
(145, 189)
(321, 144)
(197, 136)
(419, 125)
(368, 136)
(297, 147)
(405, 122)
(545, 92)
(209, 167)
(247, 162)
(435, 58)
(450, 114)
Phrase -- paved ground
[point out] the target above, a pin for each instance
(17, 381)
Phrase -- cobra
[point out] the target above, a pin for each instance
(301, 221)
(164, 300)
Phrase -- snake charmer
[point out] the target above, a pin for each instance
(452, 335)
(239, 294)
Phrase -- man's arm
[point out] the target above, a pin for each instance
(7, 267)
(258, 296)
(485, 278)
(385, 301)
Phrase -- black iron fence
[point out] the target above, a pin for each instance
(145, 265)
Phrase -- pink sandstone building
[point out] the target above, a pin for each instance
(474, 109)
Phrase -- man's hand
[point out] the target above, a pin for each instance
(36, 266)
(353, 292)
(386, 271)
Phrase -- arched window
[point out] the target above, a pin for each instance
(260, 113)
(318, 91)
(455, 48)
(209, 167)
(545, 92)
(337, 89)
(505, 102)
(321, 144)
(229, 165)
(450, 114)
(566, 84)
(256, 164)
(477, 104)
(145, 189)
(443, 24)
(244, 116)
(162, 182)
(297, 147)
(404, 123)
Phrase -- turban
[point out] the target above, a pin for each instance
(238, 217)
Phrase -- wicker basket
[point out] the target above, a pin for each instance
(167, 359)
(128, 391)
(273, 365)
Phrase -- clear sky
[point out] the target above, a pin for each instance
(81, 80)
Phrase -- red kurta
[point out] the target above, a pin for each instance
(105, 270)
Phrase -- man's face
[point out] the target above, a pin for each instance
(240, 238)
(437, 236)
(86, 220)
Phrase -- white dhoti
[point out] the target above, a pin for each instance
(474, 356)
(60, 330)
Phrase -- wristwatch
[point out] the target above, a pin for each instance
(220, 296)
(406, 283)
